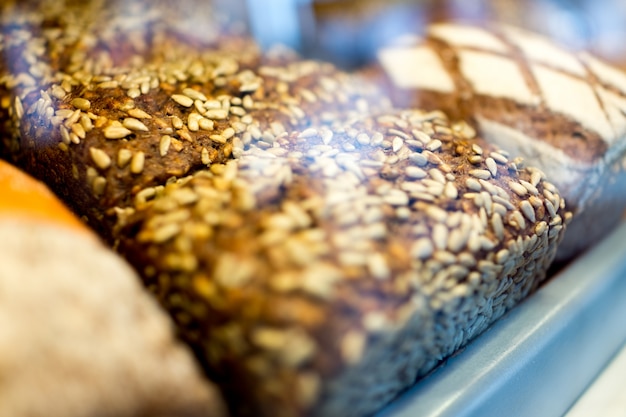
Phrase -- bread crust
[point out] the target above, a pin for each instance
(297, 270)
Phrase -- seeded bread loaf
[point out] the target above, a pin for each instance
(562, 112)
(105, 125)
(325, 274)
(78, 335)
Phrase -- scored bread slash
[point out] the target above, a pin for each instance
(363, 253)
(562, 111)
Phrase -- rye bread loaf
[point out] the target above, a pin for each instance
(562, 112)
(323, 275)
(115, 117)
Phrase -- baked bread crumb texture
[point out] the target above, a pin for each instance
(320, 239)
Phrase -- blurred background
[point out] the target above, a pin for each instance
(348, 32)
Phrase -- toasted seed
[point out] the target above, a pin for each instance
(363, 138)
(528, 210)
(458, 239)
(123, 157)
(81, 103)
(422, 248)
(451, 191)
(137, 162)
(497, 225)
(499, 158)
(165, 232)
(491, 166)
(134, 124)
(421, 136)
(184, 101)
(502, 256)
(248, 102)
(477, 149)
(440, 236)
(517, 217)
(216, 114)
(397, 143)
(436, 213)
(518, 188)
(73, 118)
(138, 114)
(193, 122)
(206, 124)
(164, 144)
(503, 201)
(100, 158)
(475, 159)
(307, 133)
(206, 160)
(482, 174)
(228, 133)
(194, 95)
(116, 132)
(86, 123)
(550, 207)
(177, 122)
(133, 92)
(415, 172)
(418, 159)
(531, 188)
(99, 185)
(541, 228)
(218, 138)
(378, 267)
(433, 145)
(108, 84)
(78, 130)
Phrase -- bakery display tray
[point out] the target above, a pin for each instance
(537, 359)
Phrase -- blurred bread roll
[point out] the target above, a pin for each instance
(78, 337)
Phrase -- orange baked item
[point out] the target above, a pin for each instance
(78, 336)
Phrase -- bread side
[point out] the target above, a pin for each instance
(325, 274)
(562, 112)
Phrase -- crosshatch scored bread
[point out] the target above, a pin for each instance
(562, 112)
(318, 251)
(64, 350)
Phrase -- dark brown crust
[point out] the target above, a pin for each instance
(220, 320)
(285, 93)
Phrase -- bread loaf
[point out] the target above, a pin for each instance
(325, 274)
(78, 336)
(562, 112)
(102, 128)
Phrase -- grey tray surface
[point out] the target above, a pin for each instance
(537, 359)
